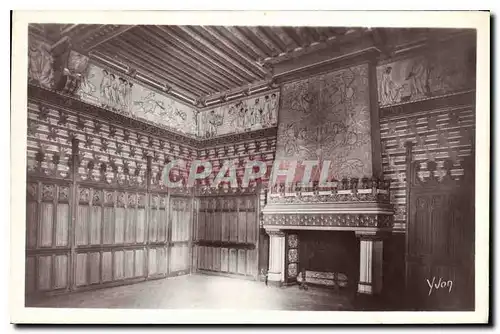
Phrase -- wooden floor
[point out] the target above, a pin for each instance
(204, 292)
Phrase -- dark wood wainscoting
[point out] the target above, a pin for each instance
(227, 235)
(82, 236)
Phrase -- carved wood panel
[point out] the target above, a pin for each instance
(440, 237)
(226, 235)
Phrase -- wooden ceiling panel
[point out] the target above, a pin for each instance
(219, 41)
(190, 62)
(247, 32)
(186, 48)
(136, 60)
(170, 63)
(198, 62)
(219, 54)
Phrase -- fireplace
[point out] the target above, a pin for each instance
(335, 235)
(327, 258)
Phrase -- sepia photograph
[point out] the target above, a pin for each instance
(256, 166)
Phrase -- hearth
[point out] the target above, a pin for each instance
(325, 257)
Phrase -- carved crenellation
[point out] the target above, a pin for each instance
(346, 190)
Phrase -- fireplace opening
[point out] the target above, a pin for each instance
(325, 258)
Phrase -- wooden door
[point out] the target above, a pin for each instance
(440, 243)
(227, 235)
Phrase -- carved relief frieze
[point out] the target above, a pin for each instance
(329, 220)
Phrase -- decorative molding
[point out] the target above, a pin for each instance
(202, 191)
(434, 102)
(235, 95)
(225, 244)
(333, 64)
(238, 137)
(339, 220)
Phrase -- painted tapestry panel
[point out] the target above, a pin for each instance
(427, 75)
(327, 117)
(245, 115)
(107, 89)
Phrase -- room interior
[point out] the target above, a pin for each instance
(392, 110)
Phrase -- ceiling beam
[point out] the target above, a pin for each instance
(222, 39)
(241, 46)
(198, 62)
(170, 49)
(307, 35)
(106, 37)
(70, 27)
(169, 72)
(273, 38)
(254, 47)
(77, 38)
(313, 33)
(289, 43)
(195, 50)
(178, 64)
(256, 31)
(291, 32)
(214, 49)
(255, 40)
(137, 63)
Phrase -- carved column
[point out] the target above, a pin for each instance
(370, 263)
(276, 271)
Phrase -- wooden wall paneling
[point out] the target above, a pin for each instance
(61, 232)
(81, 269)
(47, 217)
(32, 204)
(242, 259)
(94, 267)
(252, 221)
(153, 223)
(120, 216)
(139, 262)
(73, 212)
(118, 265)
(95, 228)
(235, 216)
(233, 260)
(31, 275)
(107, 266)
(108, 221)
(165, 204)
(45, 272)
(82, 219)
(129, 263)
(131, 219)
(225, 219)
(195, 234)
(224, 260)
(241, 223)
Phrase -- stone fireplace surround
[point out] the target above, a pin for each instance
(366, 211)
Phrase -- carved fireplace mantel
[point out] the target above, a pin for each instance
(366, 211)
